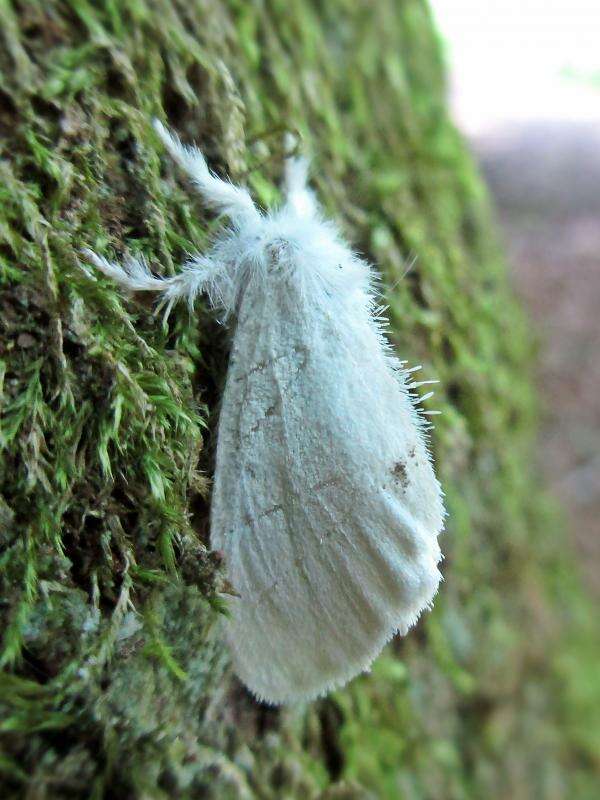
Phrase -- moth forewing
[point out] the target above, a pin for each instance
(322, 473)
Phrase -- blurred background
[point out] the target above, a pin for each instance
(525, 90)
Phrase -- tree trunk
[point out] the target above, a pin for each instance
(115, 683)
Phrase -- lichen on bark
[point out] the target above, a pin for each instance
(114, 681)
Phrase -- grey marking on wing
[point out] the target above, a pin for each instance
(300, 349)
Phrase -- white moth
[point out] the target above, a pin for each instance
(325, 502)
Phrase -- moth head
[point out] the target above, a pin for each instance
(294, 245)
(305, 250)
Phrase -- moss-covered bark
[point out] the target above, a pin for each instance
(114, 681)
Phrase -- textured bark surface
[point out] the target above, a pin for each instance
(114, 682)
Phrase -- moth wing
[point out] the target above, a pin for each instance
(325, 503)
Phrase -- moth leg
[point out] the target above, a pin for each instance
(197, 275)
(218, 194)
(298, 195)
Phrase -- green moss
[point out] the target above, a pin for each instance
(114, 682)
